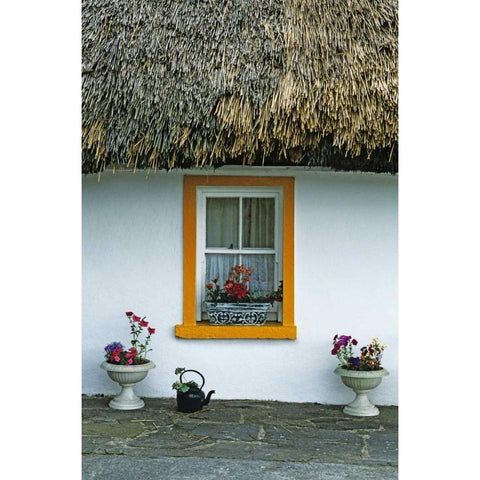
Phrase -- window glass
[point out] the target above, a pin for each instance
(263, 275)
(258, 223)
(222, 222)
(218, 266)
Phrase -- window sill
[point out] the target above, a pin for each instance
(271, 330)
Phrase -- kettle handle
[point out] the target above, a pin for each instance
(195, 371)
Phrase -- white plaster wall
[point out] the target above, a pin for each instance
(345, 282)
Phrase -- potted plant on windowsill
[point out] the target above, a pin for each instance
(360, 373)
(128, 367)
(235, 303)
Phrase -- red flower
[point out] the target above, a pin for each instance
(209, 285)
(143, 323)
(354, 342)
(128, 314)
(135, 318)
(151, 330)
(239, 290)
(134, 351)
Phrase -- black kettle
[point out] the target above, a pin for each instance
(194, 399)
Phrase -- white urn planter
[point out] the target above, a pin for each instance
(127, 376)
(361, 382)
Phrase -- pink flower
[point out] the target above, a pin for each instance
(151, 330)
(116, 358)
(129, 361)
(135, 318)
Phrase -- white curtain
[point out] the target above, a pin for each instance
(263, 275)
(258, 223)
(218, 266)
(222, 222)
(262, 282)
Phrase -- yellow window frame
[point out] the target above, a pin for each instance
(190, 328)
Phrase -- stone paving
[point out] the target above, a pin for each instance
(237, 439)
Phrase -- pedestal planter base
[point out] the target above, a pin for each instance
(127, 376)
(361, 406)
(126, 400)
(361, 382)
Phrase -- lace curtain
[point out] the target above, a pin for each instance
(263, 275)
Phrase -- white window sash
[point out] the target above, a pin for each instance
(238, 192)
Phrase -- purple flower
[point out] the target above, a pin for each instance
(355, 361)
(343, 340)
(113, 346)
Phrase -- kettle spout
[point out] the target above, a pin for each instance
(205, 402)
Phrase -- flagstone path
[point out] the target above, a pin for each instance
(237, 439)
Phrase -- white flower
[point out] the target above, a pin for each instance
(376, 343)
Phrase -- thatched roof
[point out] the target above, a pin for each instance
(181, 83)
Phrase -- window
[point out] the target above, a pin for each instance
(238, 220)
(238, 226)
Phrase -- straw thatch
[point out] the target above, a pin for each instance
(181, 83)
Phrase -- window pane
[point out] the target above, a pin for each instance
(222, 222)
(218, 265)
(258, 222)
(263, 275)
